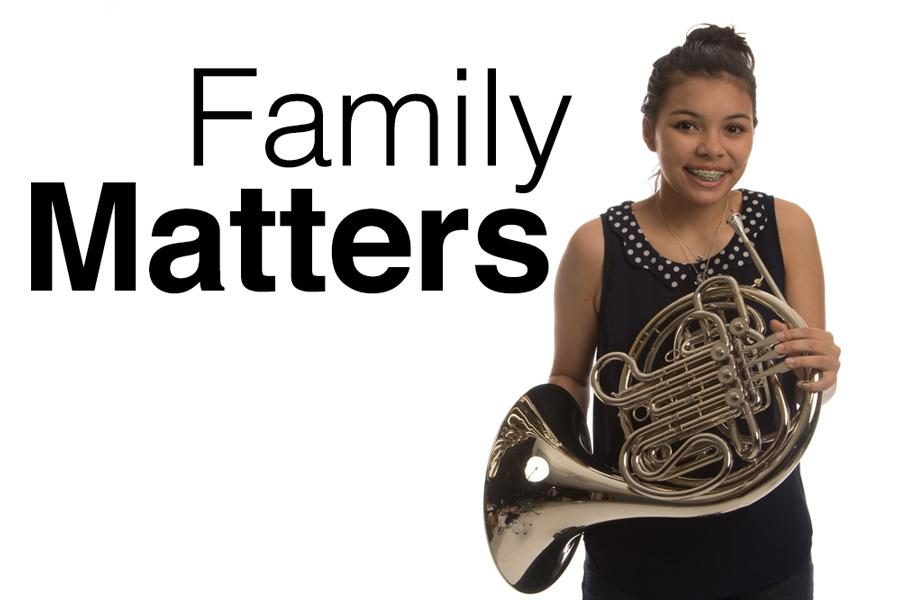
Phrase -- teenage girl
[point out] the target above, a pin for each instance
(621, 269)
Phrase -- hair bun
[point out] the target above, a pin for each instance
(725, 37)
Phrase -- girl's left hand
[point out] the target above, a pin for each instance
(812, 348)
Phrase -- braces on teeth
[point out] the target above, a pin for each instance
(707, 175)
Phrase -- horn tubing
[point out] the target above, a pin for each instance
(738, 225)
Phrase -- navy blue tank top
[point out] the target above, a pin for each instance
(704, 557)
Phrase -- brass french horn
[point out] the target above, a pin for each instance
(697, 390)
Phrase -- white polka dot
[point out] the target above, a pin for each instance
(631, 236)
(674, 284)
(676, 268)
(646, 267)
(684, 275)
(633, 224)
(637, 259)
(717, 261)
(616, 224)
(736, 248)
(646, 253)
(659, 267)
(624, 230)
(754, 202)
(639, 245)
(653, 260)
(668, 276)
(746, 254)
(759, 194)
(630, 251)
(753, 221)
(731, 256)
(710, 271)
(668, 262)
(724, 267)
(740, 263)
(758, 215)
(641, 231)
(761, 227)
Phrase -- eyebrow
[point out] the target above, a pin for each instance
(684, 111)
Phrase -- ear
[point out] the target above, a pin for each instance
(648, 135)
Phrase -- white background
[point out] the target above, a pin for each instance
(295, 445)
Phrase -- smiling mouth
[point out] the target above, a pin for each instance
(706, 175)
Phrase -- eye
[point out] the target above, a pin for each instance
(735, 129)
(685, 125)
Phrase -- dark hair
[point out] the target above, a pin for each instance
(709, 51)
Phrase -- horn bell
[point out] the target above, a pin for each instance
(541, 492)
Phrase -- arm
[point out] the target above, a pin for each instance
(806, 294)
(576, 304)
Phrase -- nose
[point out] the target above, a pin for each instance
(711, 145)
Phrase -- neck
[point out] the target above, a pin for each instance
(689, 217)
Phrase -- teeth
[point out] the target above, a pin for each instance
(707, 175)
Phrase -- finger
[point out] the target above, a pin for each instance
(806, 345)
(822, 363)
(805, 332)
(827, 380)
(776, 325)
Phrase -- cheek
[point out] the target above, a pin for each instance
(743, 145)
(673, 152)
(741, 152)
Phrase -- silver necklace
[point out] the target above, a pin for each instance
(685, 249)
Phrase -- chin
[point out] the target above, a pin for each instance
(705, 196)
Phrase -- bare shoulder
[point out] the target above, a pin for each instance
(793, 221)
(582, 263)
(584, 254)
(796, 233)
(805, 285)
(587, 240)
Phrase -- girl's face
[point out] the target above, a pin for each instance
(703, 136)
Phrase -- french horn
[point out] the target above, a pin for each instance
(708, 429)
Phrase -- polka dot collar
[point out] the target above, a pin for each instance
(756, 208)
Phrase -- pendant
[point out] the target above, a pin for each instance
(701, 275)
